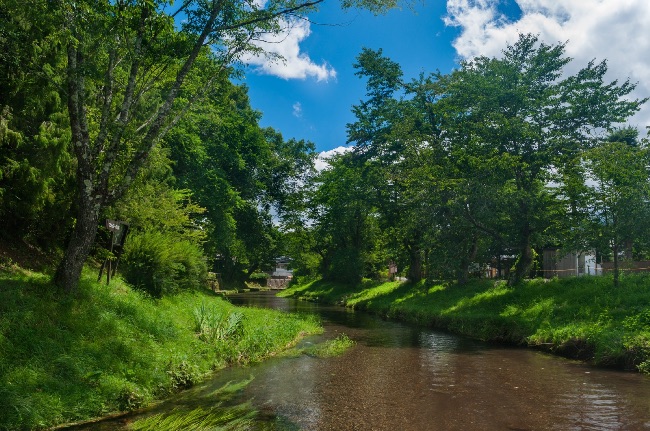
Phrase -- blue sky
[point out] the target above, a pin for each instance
(311, 95)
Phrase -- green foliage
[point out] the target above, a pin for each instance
(159, 264)
(113, 348)
(36, 168)
(163, 251)
(346, 228)
(453, 171)
(239, 172)
(35, 178)
(617, 196)
(346, 266)
(259, 276)
(300, 243)
(213, 418)
(213, 326)
(518, 122)
(127, 74)
(333, 347)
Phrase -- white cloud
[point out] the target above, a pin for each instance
(294, 64)
(297, 110)
(612, 30)
(321, 161)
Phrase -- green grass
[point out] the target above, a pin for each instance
(107, 349)
(582, 317)
(326, 349)
(220, 415)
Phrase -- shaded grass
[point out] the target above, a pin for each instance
(584, 317)
(106, 349)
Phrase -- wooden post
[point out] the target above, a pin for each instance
(118, 237)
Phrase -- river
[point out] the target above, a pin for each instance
(402, 377)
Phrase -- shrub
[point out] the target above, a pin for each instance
(158, 263)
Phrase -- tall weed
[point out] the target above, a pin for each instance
(214, 325)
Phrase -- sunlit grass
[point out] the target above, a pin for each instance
(326, 349)
(199, 419)
(371, 293)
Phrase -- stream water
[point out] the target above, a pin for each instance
(401, 377)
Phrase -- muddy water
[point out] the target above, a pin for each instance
(398, 377)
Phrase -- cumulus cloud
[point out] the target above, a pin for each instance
(292, 64)
(612, 30)
(321, 161)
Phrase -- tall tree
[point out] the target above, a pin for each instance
(619, 190)
(385, 126)
(421, 199)
(520, 118)
(36, 168)
(346, 227)
(242, 174)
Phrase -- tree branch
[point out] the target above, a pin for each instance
(265, 16)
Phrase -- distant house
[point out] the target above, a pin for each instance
(572, 264)
(281, 276)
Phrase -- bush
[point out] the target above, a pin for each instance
(158, 263)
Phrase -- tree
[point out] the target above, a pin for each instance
(130, 74)
(520, 118)
(422, 201)
(164, 249)
(619, 187)
(36, 167)
(381, 134)
(346, 228)
(242, 174)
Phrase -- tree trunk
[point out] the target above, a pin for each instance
(463, 274)
(525, 261)
(415, 264)
(83, 237)
(89, 200)
(616, 272)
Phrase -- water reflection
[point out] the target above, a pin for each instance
(399, 377)
(525, 390)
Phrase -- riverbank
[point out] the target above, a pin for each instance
(585, 318)
(106, 349)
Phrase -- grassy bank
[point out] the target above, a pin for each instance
(585, 317)
(107, 349)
